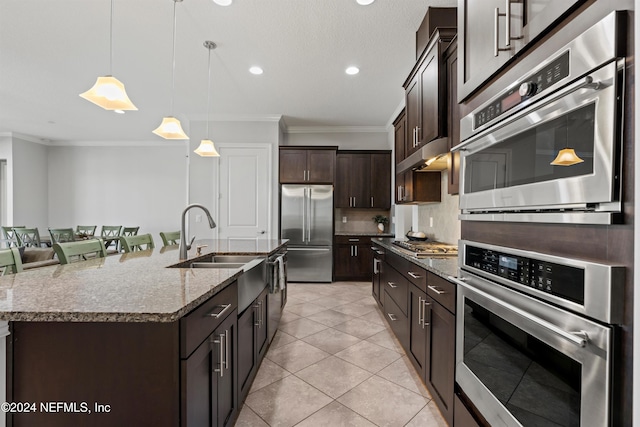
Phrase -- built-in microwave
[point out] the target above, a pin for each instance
(547, 148)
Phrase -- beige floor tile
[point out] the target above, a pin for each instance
(374, 316)
(383, 402)
(268, 373)
(331, 340)
(386, 339)
(248, 418)
(343, 376)
(367, 301)
(293, 300)
(331, 301)
(429, 416)
(286, 402)
(330, 317)
(306, 309)
(369, 356)
(302, 328)
(402, 373)
(354, 309)
(303, 296)
(288, 316)
(335, 415)
(281, 338)
(296, 356)
(360, 328)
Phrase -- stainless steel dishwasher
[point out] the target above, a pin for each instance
(277, 297)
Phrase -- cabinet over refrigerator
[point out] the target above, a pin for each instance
(306, 219)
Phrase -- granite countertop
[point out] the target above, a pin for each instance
(133, 287)
(443, 266)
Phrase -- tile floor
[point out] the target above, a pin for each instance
(334, 362)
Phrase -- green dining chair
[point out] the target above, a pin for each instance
(27, 237)
(10, 261)
(9, 235)
(136, 243)
(89, 230)
(170, 238)
(61, 235)
(79, 251)
(110, 234)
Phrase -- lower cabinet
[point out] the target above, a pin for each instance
(209, 378)
(252, 342)
(352, 258)
(376, 281)
(420, 308)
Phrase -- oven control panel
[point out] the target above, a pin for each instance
(532, 85)
(563, 281)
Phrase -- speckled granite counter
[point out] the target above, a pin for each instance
(346, 233)
(440, 265)
(134, 287)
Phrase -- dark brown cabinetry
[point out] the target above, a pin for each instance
(376, 281)
(425, 94)
(424, 304)
(453, 116)
(209, 377)
(363, 179)
(252, 342)
(488, 41)
(352, 258)
(308, 165)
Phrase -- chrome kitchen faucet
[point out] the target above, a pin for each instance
(184, 246)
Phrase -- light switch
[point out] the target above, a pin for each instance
(431, 221)
(344, 219)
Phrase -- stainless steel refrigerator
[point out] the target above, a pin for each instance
(306, 219)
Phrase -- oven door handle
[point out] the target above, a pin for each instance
(579, 338)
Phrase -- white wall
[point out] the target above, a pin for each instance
(117, 185)
(30, 186)
(6, 150)
(344, 140)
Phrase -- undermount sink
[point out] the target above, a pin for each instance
(216, 265)
(224, 261)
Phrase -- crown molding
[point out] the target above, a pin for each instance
(336, 129)
(394, 116)
(159, 143)
(235, 117)
(25, 137)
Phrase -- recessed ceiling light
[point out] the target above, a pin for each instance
(363, 2)
(256, 70)
(225, 2)
(352, 71)
(118, 111)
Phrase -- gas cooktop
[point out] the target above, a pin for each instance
(425, 249)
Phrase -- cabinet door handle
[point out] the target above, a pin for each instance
(354, 240)
(356, 249)
(219, 341)
(376, 268)
(436, 290)
(496, 30)
(399, 193)
(371, 201)
(218, 314)
(417, 135)
(414, 275)
(392, 285)
(392, 317)
(226, 348)
(420, 311)
(260, 314)
(424, 321)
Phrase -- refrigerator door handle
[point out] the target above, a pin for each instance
(309, 216)
(304, 215)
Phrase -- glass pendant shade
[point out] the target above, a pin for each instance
(206, 149)
(170, 128)
(566, 157)
(109, 93)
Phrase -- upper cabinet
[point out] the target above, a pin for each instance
(307, 165)
(363, 179)
(453, 116)
(493, 31)
(425, 94)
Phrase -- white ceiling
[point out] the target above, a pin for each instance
(50, 51)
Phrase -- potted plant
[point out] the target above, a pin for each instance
(381, 220)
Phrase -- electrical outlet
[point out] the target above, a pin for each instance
(198, 218)
(344, 219)
(431, 221)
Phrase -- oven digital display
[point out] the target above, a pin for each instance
(508, 262)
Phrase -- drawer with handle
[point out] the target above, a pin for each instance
(443, 291)
(396, 319)
(396, 286)
(196, 326)
(352, 240)
(413, 273)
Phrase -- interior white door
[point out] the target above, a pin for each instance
(244, 192)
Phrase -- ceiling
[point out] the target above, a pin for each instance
(51, 51)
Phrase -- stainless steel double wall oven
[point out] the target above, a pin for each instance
(572, 100)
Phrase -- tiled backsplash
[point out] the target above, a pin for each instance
(360, 220)
(446, 225)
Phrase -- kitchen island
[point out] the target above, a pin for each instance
(125, 340)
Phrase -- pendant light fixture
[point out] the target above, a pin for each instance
(206, 147)
(567, 156)
(108, 92)
(170, 128)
